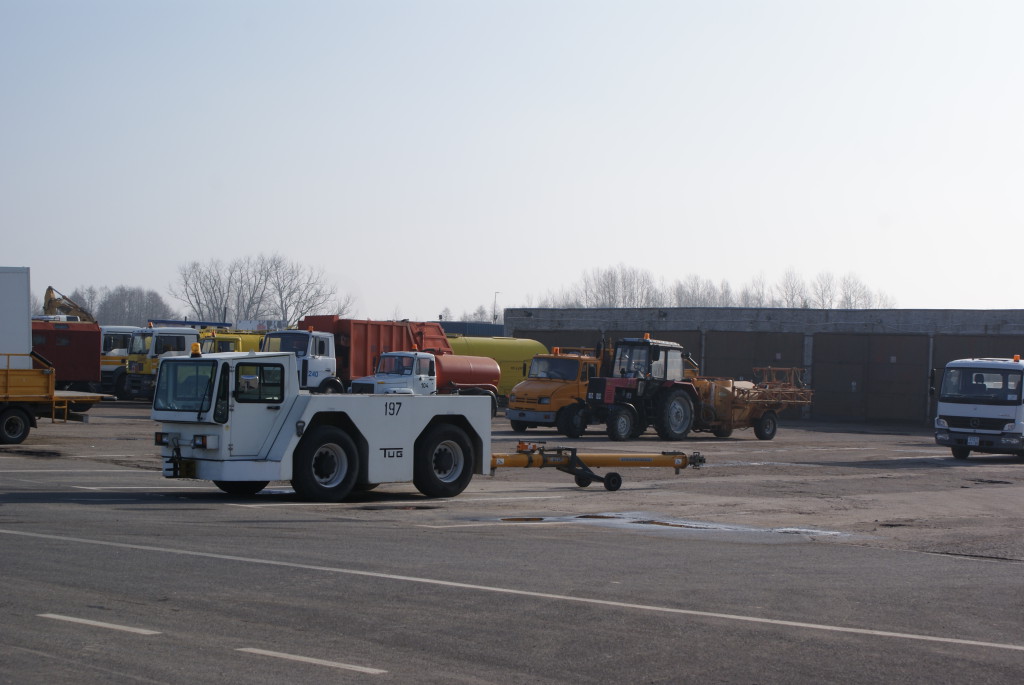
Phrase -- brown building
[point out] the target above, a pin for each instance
(864, 365)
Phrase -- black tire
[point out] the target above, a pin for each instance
(612, 482)
(121, 387)
(14, 426)
(722, 432)
(621, 424)
(519, 426)
(332, 386)
(582, 481)
(572, 420)
(326, 465)
(241, 488)
(443, 462)
(674, 415)
(79, 407)
(767, 426)
(960, 452)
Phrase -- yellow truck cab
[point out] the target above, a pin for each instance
(554, 392)
(226, 340)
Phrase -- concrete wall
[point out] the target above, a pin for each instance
(864, 365)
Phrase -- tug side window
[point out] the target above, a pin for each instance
(259, 383)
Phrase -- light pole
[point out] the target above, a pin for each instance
(494, 309)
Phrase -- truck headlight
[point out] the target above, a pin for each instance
(512, 397)
(544, 400)
(941, 422)
(1009, 427)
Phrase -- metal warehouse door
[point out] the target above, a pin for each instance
(870, 377)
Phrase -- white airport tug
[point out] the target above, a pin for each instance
(241, 421)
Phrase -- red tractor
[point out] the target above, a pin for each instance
(651, 384)
(656, 383)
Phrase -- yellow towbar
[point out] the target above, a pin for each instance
(568, 460)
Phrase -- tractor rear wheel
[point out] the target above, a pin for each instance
(674, 415)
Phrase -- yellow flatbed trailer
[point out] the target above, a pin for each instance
(569, 460)
(28, 394)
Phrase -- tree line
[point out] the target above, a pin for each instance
(269, 287)
(265, 287)
(630, 287)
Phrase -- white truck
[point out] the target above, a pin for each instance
(981, 407)
(317, 368)
(423, 373)
(241, 421)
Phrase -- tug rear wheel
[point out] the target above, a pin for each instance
(443, 462)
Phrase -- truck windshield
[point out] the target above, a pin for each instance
(296, 343)
(185, 386)
(140, 343)
(965, 385)
(116, 341)
(560, 369)
(396, 365)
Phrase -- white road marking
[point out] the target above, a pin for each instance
(394, 505)
(496, 523)
(526, 593)
(142, 487)
(75, 471)
(100, 624)
(309, 660)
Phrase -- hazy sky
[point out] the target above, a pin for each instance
(429, 154)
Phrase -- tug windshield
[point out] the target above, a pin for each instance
(966, 385)
(185, 386)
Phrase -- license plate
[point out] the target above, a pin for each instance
(972, 441)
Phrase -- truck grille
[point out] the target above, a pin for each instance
(970, 422)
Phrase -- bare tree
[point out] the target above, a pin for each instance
(129, 306)
(792, 293)
(252, 288)
(295, 290)
(87, 297)
(756, 293)
(481, 313)
(823, 291)
(853, 294)
(206, 289)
